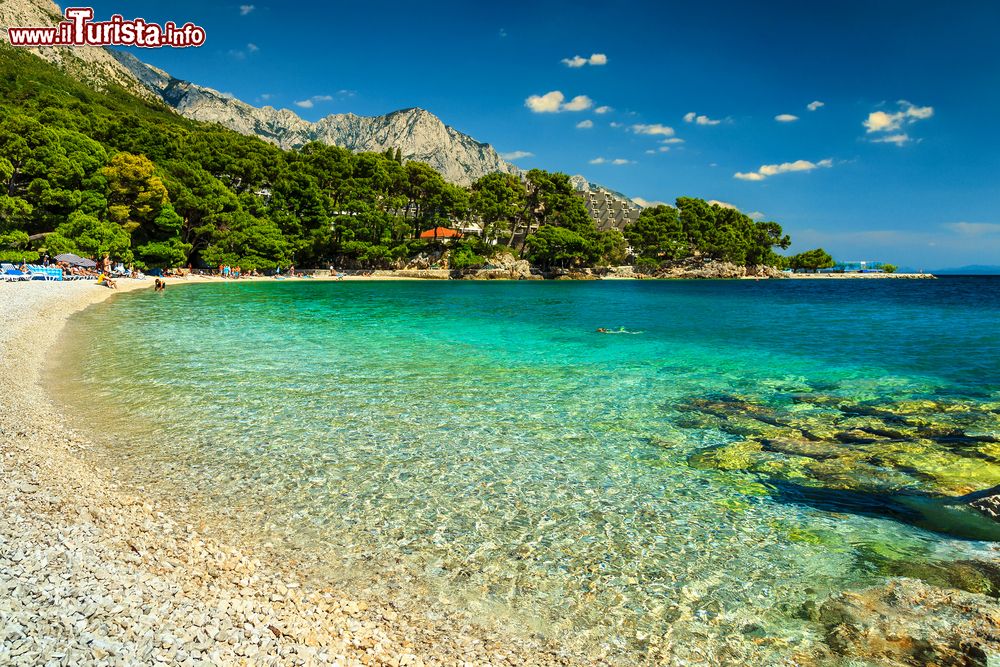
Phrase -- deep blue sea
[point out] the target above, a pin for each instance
(733, 451)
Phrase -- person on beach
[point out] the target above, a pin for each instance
(107, 282)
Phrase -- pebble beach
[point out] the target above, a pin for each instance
(94, 573)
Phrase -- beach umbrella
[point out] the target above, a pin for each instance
(76, 260)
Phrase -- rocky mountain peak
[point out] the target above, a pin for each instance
(94, 65)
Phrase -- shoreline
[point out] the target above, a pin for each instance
(444, 275)
(92, 572)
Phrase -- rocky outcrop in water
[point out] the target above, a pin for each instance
(907, 622)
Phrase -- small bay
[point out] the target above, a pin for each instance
(731, 453)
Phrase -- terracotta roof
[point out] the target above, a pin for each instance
(440, 232)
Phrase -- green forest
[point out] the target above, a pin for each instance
(104, 173)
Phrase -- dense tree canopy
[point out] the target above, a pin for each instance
(108, 174)
(811, 260)
(697, 228)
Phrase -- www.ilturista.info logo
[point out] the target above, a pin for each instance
(79, 30)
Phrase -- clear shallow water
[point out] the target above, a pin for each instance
(482, 438)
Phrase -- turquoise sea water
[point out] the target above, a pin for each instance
(483, 439)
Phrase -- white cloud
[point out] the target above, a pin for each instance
(785, 167)
(883, 121)
(547, 103)
(516, 155)
(756, 215)
(246, 9)
(604, 109)
(614, 124)
(579, 61)
(311, 102)
(673, 140)
(974, 228)
(880, 121)
(786, 118)
(655, 129)
(663, 149)
(617, 161)
(501, 33)
(915, 112)
(241, 54)
(692, 117)
(585, 124)
(645, 203)
(815, 104)
(266, 96)
(650, 152)
(554, 102)
(900, 139)
(578, 103)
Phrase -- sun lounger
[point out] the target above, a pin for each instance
(12, 274)
(45, 272)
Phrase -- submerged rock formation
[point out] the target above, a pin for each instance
(988, 505)
(907, 622)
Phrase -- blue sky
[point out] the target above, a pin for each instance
(900, 163)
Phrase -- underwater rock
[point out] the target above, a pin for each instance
(990, 506)
(973, 576)
(908, 622)
(947, 449)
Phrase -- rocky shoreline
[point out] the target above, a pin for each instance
(507, 267)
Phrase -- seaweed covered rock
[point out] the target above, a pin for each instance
(907, 622)
(949, 449)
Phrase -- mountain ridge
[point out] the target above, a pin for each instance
(418, 133)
